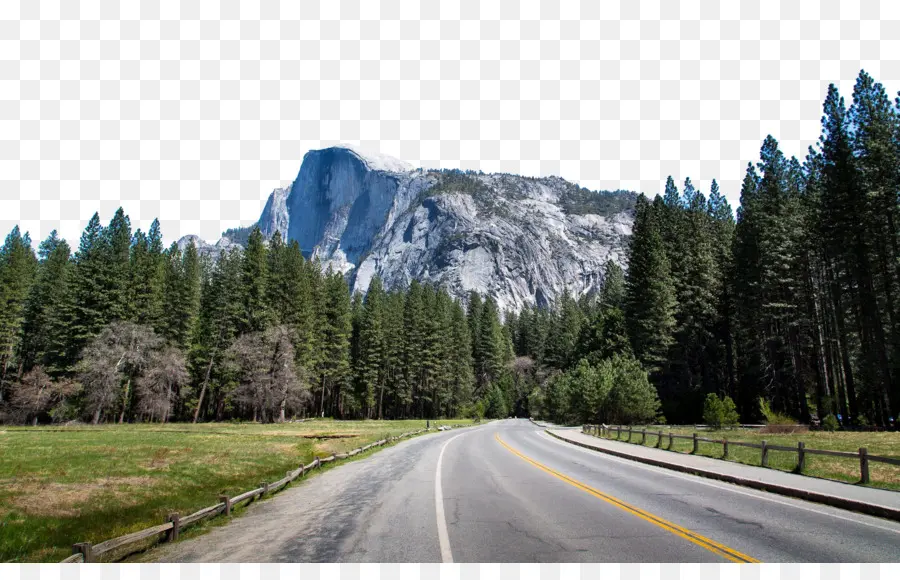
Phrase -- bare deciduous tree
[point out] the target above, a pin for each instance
(157, 388)
(37, 393)
(116, 356)
(264, 364)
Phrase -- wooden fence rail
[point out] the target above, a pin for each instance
(85, 552)
(801, 450)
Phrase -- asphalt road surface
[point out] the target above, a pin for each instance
(507, 492)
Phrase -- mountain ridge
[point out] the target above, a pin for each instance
(521, 240)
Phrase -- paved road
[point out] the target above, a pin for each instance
(507, 492)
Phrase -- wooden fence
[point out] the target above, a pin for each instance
(801, 450)
(86, 552)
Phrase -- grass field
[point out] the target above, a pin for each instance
(61, 485)
(884, 444)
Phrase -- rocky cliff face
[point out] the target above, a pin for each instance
(521, 240)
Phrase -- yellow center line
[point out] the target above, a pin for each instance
(694, 537)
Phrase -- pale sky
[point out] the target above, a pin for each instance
(195, 113)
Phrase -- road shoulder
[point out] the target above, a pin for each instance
(876, 502)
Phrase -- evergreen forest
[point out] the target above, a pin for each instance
(788, 307)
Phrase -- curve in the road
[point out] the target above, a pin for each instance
(413, 501)
(758, 495)
(700, 540)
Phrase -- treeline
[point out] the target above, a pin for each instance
(797, 302)
(123, 330)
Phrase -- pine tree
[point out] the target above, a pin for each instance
(473, 316)
(875, 146)
(18, 265)
(310, 313)
(491, 346)
(46, 311)
(147, 274)
(460, 357)
(722, 348)
(217, 326)
(613, 292)
(395, 352)
(649, 291)
(279, 280)
(843, 209)
(671, 220)
(697, 302)
(358, 376)
(256, 316)
(116, 268)
(89, 312)
(181, 296)
(436, 379)
(372, 348)
(564, 333)
(336, 343)
(414, 337)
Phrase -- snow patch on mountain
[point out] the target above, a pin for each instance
(376, 161)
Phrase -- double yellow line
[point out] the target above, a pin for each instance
(702, 541)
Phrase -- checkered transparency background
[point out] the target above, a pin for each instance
(451, 571)
(195, 111)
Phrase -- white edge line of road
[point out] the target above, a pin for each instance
(443, 537)
(699, 480)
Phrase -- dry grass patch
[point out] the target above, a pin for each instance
(60, 500)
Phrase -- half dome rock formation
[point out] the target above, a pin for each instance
(521, 240)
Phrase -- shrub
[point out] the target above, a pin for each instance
(631, 398)
(718, 413)
(474, 411)
(713, 411)
(730, 417)
(774, 417)
(830, 423)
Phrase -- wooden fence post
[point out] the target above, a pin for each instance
(172, 535)
(643, 436)
(724, 448)
(302, 470)
(86, 550)
(618, 432)
(659, 440)
(227, 501)
(629, 434)
(694, 450)
(265, 488)
(670, 441)
(801, 456)
(863, 465)
(764, 458)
